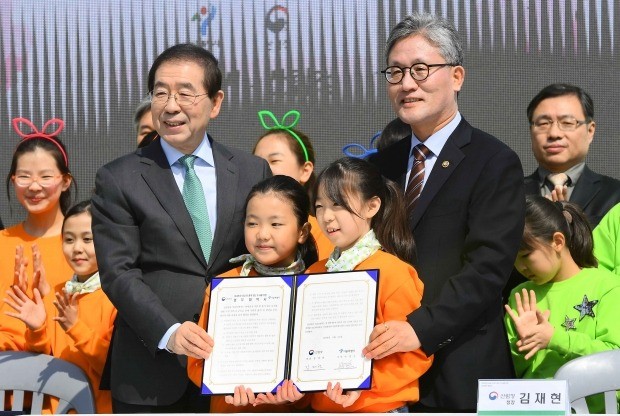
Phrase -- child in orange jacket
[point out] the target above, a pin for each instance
(41, 181)
(83, 312)
(277, 236)
(363, 215)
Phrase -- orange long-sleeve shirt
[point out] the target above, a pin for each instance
(56, 268)
(395, 377)
(195, 366)
(85, 344)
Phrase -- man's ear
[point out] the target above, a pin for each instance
(458, 76)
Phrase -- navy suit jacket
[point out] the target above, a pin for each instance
(151, 265)
(467, 226)
(594, 193)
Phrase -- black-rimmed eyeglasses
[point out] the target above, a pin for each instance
(420, 71)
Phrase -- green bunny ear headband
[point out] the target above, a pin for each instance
(265, 115)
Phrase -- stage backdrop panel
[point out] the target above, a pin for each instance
(87, 61)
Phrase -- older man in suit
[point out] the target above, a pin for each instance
(562, 126)
(165, 219)
(464, 190)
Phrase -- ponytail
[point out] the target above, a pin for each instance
(391, 224)
(580, 244)
(543, 218)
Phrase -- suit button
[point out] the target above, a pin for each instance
(445, 343)
(196, 317)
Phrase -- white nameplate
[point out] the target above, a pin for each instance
(523, 397)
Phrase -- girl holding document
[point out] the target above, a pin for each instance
(278, 238)
(363, 215)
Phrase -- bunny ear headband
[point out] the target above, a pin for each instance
(359, 151)
(281, 125)
(41, 134)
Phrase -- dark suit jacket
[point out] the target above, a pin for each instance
(151, 264)
(467, 226)
(594, 193)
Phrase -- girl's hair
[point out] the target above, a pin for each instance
(543, 218)
(288, 189)
(53, 148)
(297, 150)
(77, 209)
(348, 177)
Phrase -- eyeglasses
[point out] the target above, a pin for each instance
(182, 98)
(44, 181)
(419, 72)
(543, 125)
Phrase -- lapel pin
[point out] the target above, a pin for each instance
(445, 164)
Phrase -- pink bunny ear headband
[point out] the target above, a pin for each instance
(41, 134)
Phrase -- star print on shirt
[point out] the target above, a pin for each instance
(569, 323)
(586, 307)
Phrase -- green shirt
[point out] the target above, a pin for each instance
(585, 314)
(607, 241)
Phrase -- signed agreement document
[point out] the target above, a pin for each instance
(309, 328)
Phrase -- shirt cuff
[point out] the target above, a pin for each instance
(163, 342)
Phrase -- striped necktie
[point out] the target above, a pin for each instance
(416, 177)
(194, 198)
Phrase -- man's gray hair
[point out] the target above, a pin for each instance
(141, 109)
(435, 29)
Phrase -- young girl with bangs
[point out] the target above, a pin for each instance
(568, 308)
(41, 180)
(289, 152)
(78, 326)
(278, 239)
(363, 215)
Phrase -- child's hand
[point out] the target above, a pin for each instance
(335, 393)
(285, 393)
(539, 339)
(29, 311)
(525, 318)
(19, 275)
(20, 278)
(559, 193)
(242, 397)
(39, 280)
(67, 307)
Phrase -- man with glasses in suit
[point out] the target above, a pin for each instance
(464, 192)
(562, 127)
(166, 218)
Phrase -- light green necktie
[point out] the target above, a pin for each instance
(196, 204)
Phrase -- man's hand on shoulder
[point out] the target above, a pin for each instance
(191, 340)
